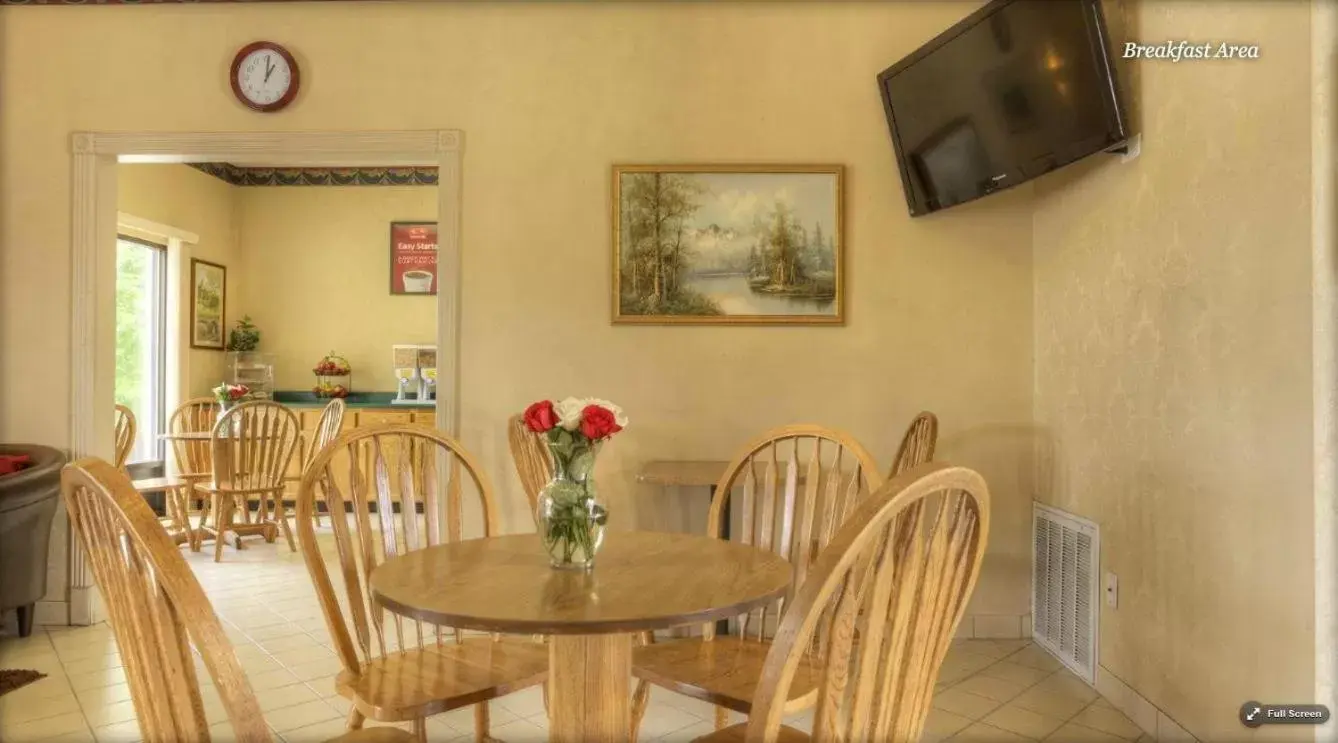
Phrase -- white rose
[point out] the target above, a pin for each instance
(619, 416)
(569, 412)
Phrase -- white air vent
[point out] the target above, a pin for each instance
(1064, 588)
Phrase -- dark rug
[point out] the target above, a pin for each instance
(14, 680)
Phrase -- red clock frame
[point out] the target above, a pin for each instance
(287, 98)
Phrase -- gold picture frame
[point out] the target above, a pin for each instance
(728, 244)
(208, 305)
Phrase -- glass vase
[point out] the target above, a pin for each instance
(570, 517)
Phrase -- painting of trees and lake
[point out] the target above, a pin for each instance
(728, 245)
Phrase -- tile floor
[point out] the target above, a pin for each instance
(989, 690)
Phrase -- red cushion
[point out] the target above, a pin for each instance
(11, 463)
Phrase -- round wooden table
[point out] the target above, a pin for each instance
(641, 581)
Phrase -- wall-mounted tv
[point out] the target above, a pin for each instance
(1017, 89)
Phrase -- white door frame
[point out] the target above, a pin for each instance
(93, 291)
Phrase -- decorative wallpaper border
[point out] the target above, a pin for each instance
(239, 176)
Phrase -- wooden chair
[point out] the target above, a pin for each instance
(328, 428)
(157, 610)
(251, 446)
(811, 477)
(879, 608)
(193, 459)
(534, 463)
(398, 669)
(917, 444)
(125, 435)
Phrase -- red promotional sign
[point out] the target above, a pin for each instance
(413, 257)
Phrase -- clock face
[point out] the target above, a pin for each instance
(264, 76)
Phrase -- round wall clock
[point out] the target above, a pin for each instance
(264, 76)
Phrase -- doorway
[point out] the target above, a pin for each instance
(95, 263)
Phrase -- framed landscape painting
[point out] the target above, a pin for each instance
(710, 244)
(208, 283)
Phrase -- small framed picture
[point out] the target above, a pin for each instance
(413, 258)
(209, 283)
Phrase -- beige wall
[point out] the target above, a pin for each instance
(186, 199)
(1173, 369)
(317, 267)
(549, 97)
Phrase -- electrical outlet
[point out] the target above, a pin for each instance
(1112, 591)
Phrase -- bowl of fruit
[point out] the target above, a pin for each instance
(333, 376)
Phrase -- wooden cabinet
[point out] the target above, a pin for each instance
(354, 418)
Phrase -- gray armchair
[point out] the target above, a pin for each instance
(28, 500)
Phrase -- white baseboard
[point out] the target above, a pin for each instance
(52, 613)
(994, 627)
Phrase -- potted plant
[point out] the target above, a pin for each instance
(245, 337)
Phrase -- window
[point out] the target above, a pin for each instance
(141, 348)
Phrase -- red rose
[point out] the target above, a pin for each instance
(598, 422)
(540, 417)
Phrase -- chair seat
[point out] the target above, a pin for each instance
(438, 678)
(374, 735)
(724, 671)
(736, 734)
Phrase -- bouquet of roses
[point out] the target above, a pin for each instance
(571, 520)
(231, 394)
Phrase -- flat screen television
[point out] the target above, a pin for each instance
(1017, 89)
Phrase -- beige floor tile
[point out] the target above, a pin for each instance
(121, 732)
(1051, 702)
(324, 686)
(1034, 657)
(1075, 733)
(274, 632)
(1023, 722)
(1011, 671)
(987, 648)
(527, 702)
(302, 715)
(462, 719)
(1000, 690)
(15, 710)
(966, 704)
(1101, 717)
(44, 729)
(321, 731)
(287, 696)
(109, 714)
(943, 724)
(92, 664)
(687, 734)
(982, 733)
(317, 668)
(104, 695)
(659, 721)
(274, 679)
(107, 677)
(300, 641)
(1066, 683)
(299, 656)
(521, 731)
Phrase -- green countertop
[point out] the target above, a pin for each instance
(306, 399)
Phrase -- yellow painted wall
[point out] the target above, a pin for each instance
(549, 96)
(1173, 369)
(183, 197)
(317, 266)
